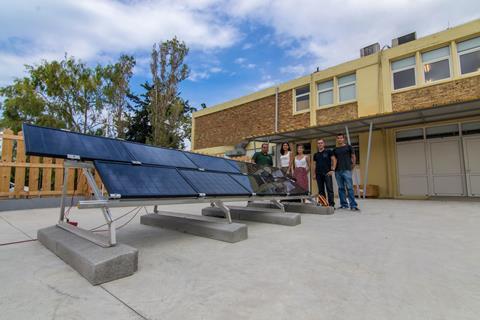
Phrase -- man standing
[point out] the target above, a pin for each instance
(343, 172)
(262, 158)
(324, 164)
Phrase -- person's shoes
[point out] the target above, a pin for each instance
(355, 209)
(340, 208)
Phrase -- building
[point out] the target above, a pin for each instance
(418, 102)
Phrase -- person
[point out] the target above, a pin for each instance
(324, 168)
(262, 158)
(301, 168)
(286, 158)
(343, 172)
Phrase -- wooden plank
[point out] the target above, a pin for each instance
(58, 175)
(10, 136)
(30, 165)
(20, 172)
(71, 180)
(47, 176)
(33, 174)
(36, 193)
(7, 151)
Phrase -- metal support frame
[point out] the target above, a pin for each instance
(354, 171)
(278, 204)
(219, 204)
(97, 239)
(365, 181)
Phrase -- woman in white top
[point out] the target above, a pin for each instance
(286, 158)
(301, 168)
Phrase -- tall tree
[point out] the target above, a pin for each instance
(116, 94)
(167, 108)
(139, 126)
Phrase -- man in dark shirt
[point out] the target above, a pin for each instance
(324, 166)
(343, 172)
(262, 158)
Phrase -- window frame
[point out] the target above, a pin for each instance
(339, 86)
(461, 54)
(326, 90)
(414, 67)
(449, 58)
(296, 96)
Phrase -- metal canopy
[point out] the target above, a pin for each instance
(384, 121)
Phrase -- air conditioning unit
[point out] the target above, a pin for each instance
(371, 49)
(404, 39)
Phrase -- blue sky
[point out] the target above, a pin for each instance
(236, 47)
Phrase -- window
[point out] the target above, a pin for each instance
(469, 55)
(436, 64)
(403, 73)
(442, 131)
(302, 98)
(325, 93)
(470, 128)
(410, 135)
(346, 88)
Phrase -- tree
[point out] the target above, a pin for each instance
(63, 94)
(116, 94)
(167, 108)
(139, 126)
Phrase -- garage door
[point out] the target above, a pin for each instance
(412, 168)
(471, 146)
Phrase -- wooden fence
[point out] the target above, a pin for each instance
(24, 176)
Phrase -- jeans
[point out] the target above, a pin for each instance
(344, 181)
(325, 181)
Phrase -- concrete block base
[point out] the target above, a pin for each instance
(96, 264)
(294, 207)
(208, 227)
(257, 214)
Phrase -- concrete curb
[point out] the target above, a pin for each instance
(295, 207)
(256, 214)
(96, 264)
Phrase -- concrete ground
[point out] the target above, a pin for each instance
(397, 259)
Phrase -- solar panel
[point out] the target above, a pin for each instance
(211, 163)
(214, 183)
(41, 141)
(143, 181)
(159, 156)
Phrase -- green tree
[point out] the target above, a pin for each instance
(116, 94)
(139, 127)
(167, 108)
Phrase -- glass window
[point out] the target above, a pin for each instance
(347, 88)
(469, 55)
(325, 93)
(442, 131)
(302, 98)
(470, 128)
(436, 64)
(403, 72)
(410, 135)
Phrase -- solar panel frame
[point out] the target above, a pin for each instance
(210, 163)
(149, 157)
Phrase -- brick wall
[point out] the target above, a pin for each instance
(230, 126)
(461, 90)
(286, 120)
(340, 113)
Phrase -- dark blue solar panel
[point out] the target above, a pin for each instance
(211, 163)
(133, 181)
(57, 143)
(214, 183)
(159, 156)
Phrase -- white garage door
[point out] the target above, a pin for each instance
(445, 174)
(412, 168)
(471, 146)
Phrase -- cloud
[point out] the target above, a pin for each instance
(240, 60)
(98, 30)
(264, 85)
(198, 75)
(296, 70)
(244, 64)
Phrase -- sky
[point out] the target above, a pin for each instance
(236, 47)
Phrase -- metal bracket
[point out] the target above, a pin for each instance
(278, 204)
(112, 239)
(219, 204)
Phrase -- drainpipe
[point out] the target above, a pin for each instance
(276, 109)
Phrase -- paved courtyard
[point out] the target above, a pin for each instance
(397, 259)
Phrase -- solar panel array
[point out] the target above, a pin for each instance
(135, 170)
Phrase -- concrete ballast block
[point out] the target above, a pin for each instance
(294, 207)
(208, 227)
(257, 214)
(96, 264)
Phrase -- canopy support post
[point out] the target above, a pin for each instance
(357, 183)
(365, 181)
